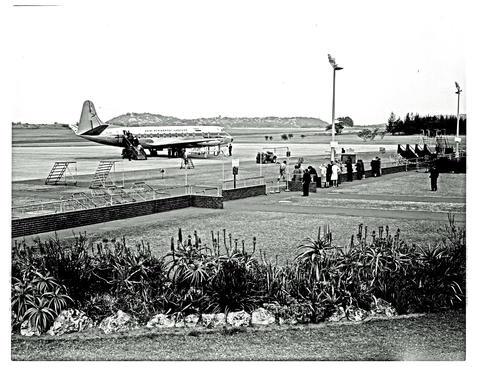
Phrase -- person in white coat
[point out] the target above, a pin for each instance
(335, 172)
(323, 176)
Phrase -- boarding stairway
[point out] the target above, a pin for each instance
(407, 151)
(187, 163)
(101, 176)
(423, 150)
(428, 147)
(131, 150)
(59, 171)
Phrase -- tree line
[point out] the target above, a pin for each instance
(416, 124)
(340, 124)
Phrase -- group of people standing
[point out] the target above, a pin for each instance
(329, 175)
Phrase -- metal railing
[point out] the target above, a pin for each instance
(104, 197)
(275, 185)
(204, 190)
(243, 182)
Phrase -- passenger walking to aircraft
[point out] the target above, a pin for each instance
(130, 137)
(306, 182)
(349, 170)
(335, 172)
(230, 149)
(433, 177)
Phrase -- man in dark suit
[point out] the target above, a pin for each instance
(306, 182)
(433, 177)
(359, 168)
(349, 170)
(329, 175)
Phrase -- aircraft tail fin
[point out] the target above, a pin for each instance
(89, 123)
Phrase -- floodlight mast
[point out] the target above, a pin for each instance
(457, 139)
(335, 68)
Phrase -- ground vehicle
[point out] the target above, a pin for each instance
(266, 157)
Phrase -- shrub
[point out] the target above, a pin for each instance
(212, 281)
(38, 298)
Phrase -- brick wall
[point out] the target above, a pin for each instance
(53, 222)
(298, 186)
(243, 192)
(213, 202)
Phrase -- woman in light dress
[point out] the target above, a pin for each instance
(335, 172)
(323, 175)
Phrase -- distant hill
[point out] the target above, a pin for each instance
(56, 125)
(148, 119)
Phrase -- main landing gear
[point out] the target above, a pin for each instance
(175, 152)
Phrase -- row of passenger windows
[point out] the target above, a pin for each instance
(181, 135)
(173, 135)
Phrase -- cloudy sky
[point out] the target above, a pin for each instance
(236, 58)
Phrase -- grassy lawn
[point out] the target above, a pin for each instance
(410, 183)
(429, 337)
(278, 234)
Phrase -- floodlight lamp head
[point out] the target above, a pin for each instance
(458, 88)
(331, 60)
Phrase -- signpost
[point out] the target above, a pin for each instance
(235, 165)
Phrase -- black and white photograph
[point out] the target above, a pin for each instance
(238, 181)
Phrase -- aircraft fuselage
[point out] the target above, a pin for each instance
(158, 137)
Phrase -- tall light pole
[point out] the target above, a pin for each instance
(457, 138)
(332, 143)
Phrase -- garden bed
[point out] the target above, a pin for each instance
(203, 282)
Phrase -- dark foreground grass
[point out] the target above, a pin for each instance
(430, 337)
